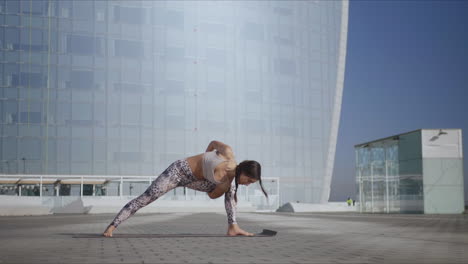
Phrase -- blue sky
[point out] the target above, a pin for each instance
(406, 69)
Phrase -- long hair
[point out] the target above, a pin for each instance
(251, 169)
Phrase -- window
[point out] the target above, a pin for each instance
(35, 8)
(216, 29)
(213, 126)
(83, 45)
(175, 122)
(12, 7)
(134, 88)
(10, 110)
(215, 89)
(100, 15)
(81, 80)
(30, 149)
(175, 53)
(81, 111)
(173, 87)
(87, 189)
(129, 15)
(83, 10)
(128, 48)
(129, 156)
(216, 57)
(65, 12)
(12, 38)
(37, 42)
(30, 117)
(64, 7)
(253, 126)
(2, 44)
(63, 113)
(99, 150)
(81, 150)
(131, 114)
(285, 66)
(12, 20)
(146, 115)
(175, 19)
(157, 16)
(283, 11)
(27, 79)
(252, 31)
(283, 41)
(9, 152)
(175, 105)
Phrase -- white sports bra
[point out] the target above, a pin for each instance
(210, 161)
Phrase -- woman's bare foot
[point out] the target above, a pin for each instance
(109, 230)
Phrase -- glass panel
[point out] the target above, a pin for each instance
(30, 149)
(112, 188)
(12, 6)
(410, 173)
(175, 19)
(12, 39)
(87, 189)
(8, 189)
(75, 189)
(81, 150)
(83, 10)
(81, 80)
(81, 111)
(134, 188)
(84, 45)
(49, 190)
(30, 190)
(129, 15)
(389, 176)
(215, 78)
(38, 8)
(127, 48)
(252, 31)
(99, 190)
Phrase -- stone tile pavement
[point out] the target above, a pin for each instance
(302, 238)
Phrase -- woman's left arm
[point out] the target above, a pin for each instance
(231, 208)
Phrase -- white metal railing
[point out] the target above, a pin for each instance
(251, 194)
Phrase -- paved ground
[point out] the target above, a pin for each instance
(302, 238)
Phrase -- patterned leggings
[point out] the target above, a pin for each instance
(176, 175)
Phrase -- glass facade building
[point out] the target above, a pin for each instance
(127, 87)
(415, 172)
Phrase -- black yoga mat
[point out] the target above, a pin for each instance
(264, 233)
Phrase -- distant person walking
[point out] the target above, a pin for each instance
(354, 202)
(215, 172)
(349, 201)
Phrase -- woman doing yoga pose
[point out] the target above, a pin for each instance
(211, 172)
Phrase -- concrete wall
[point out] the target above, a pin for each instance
(443, 171)
(308, 207)
(14, 205)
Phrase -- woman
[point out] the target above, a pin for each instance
(211, 172)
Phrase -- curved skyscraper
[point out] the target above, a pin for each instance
(127, 87)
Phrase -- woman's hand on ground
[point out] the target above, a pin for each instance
(235, 230)
(109, 230)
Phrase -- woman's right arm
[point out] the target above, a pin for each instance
(222, 148)
(215, 145)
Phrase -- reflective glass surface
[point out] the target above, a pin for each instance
(389, 175)
(127, 87)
